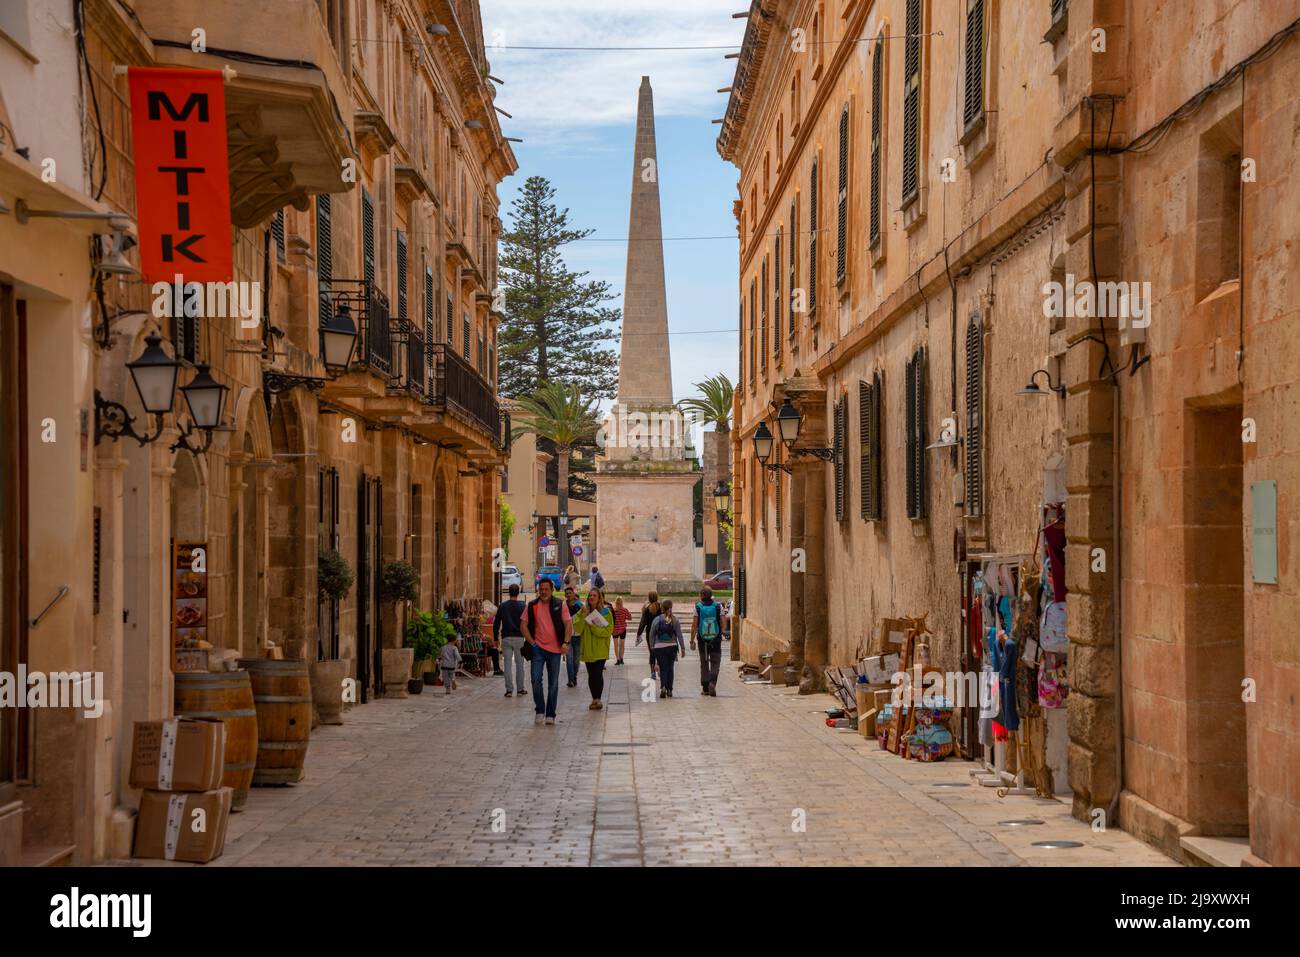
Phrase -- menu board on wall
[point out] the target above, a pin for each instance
(189, 606)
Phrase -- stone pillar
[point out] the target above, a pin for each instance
(1090, 484)
(809, 625)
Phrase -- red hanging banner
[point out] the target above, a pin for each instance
(182, 176)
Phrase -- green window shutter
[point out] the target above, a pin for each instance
(975, 416)
(812, 240)
(973, 108)
(912, 102)
(842, 201)
(368, 237)
(877, 105)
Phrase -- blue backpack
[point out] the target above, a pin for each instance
(710, 620)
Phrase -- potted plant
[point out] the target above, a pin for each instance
(398, 582)
(334, 580)
(426, 633)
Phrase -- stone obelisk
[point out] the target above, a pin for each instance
(644, 507)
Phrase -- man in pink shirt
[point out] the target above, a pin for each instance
(547, 627)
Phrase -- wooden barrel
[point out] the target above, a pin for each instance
(282, 697)
(227, 695)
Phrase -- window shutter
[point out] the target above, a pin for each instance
(753, 320)
(974, 416)
(762, 351)
(877, 105)
(464, 328)
(450, 320)
(877, 446)
(912, 101)
(864, 448)
(794, 246)
(324, 240)
(401, 275)
(740, 324)
(841, 423)
(368, 237)
(741, 590)
(842, 201)
(776, 298)
(916, 411)
(428, 316)
(974, 105)
(277, 233)
(780, 477)
(812, 240)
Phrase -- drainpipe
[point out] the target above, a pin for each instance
(1116, 605)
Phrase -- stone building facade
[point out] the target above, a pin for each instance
(913, 177)
(364, 156)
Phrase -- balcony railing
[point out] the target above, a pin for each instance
(416, 371)
(458, 387)
(369, 308)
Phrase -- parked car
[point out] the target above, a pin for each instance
(722, 580)
(553, 572)
(510, 575)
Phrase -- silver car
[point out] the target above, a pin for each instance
(510, 575)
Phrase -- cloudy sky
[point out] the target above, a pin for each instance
(576, 109)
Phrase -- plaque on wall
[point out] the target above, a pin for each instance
(645, 528)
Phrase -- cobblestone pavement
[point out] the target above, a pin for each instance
(687, 780)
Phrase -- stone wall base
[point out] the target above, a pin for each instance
(1149, 823)
(639, 587)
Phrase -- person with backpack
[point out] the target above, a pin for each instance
(649, 612)
(707, 628)
(665, 643)
(547, 627)
(595, 642)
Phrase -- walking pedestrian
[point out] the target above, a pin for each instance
(570, 579)
(449, 660)
(649, 612)
(666, 641)
(594, 624)
(597, 579)
(707, 628)
(574, 605)
(547, 626)
(621, 617)
(506, 628)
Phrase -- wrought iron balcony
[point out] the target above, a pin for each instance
(456, 386)
(369, 308)
(415, 372)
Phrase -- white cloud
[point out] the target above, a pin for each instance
(555, 94)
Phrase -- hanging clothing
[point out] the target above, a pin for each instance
(1054, 548)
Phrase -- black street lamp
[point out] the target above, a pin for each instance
(1032, 387)
(206, 397)
(338, 339)
(788, 421)
(763, 442)
(154, 376)
(722, 497)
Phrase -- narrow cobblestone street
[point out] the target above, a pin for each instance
(690, 780)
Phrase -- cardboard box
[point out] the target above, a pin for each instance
(880, 669)
(867, 723)
(179, 754)
(183, 827)
(892, 635)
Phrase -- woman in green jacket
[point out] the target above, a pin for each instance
(595, 642)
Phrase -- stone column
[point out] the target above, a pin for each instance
(809, 634)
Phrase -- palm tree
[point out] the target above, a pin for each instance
(714, 407)
(560, 413)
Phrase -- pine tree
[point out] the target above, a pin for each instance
(555, 328)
